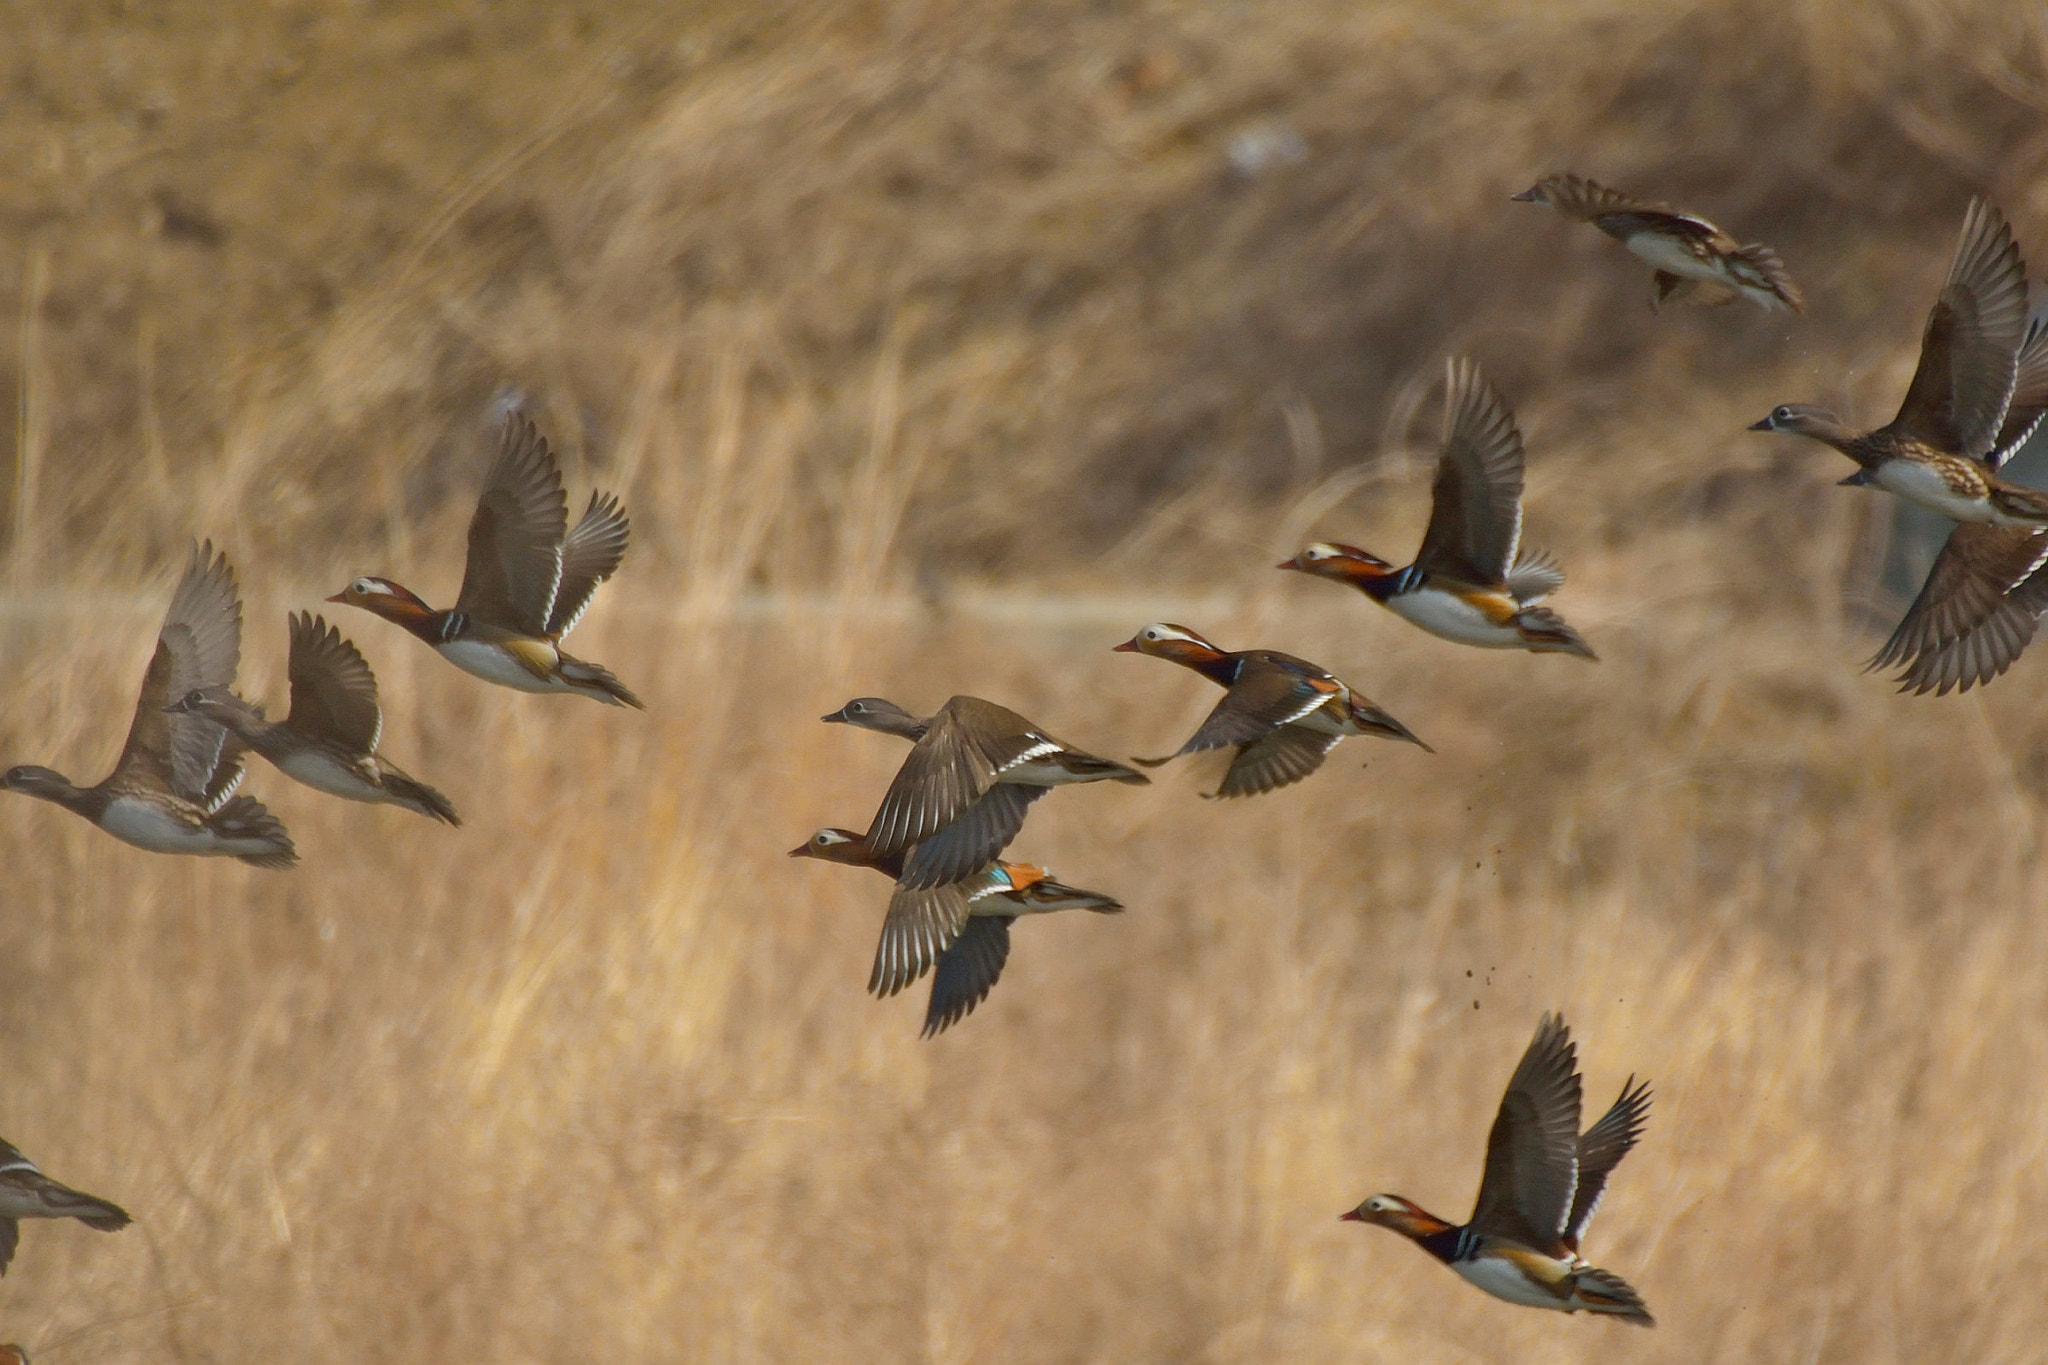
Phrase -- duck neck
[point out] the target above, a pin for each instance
(90, 802)
(415, 615)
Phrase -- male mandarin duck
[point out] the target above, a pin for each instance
(962, 929)
(173, 788)
(25, 1192)
(1283, 714)
(527, 582)
(1695, 261)
(1542, 1185)
(972, 774)
(1472, 582)
(329, 739)
(1943, 449)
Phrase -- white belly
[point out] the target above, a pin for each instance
(494, 665)
(147, 826)
(1453, 618)
(1925, 487)
(324, 774)
(1671, 256)
(1505, 1280)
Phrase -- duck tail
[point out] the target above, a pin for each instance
(416, 795)
(1602, 1291)
(595, 680)
(91, 1210)
(244, 817)
(1545, 632)
(1759, 267)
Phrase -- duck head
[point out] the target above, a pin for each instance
(30, 780)
(1164, 640)
(877, 713)
(1802, 419)
(1392, 1211)
(834, 846)
(385, 598)
(217, 704)
(1345, 563)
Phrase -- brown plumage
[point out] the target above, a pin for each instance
(329, 739)
(1695, 261)
(1978, 609)
(1283, 714)
(25, 1192)
(961, 796)
(172, 789)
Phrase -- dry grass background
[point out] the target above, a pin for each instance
(936, 346)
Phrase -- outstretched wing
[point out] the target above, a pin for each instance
(1973, 616)
(968, 972)
(334, 694)
(1532, 1154)
(1281, 759)
(590, 555)
(2029, 391)
(515, 535)
(1263, 698)
(1601, 1149)
(198, 648)
(1968, 351)
(964, 748)
(919, 927)
(1475, 520)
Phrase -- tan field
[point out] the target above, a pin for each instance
(935, 347)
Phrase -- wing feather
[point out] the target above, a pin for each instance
(1532, 1153)
(334, 693)
(515, 535)
(198, 649)
(1968, 351)
(1475, 522)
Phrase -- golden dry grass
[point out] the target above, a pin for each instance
(935, 347)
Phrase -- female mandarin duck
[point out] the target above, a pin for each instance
(1943, 449)
(173, 788)
(1283, 714)
(1988, 587)
(329, 739)
(1471, 582)
(527, 581)
(1542, 1184)
(25, 1192)
(1695, 260)
(962, 794)
(962, 928)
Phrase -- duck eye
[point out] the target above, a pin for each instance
(361, 586)
(1781, 414)
(856, 708)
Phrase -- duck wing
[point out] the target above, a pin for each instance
(2029, 392)
(1532, 1154)
(334, 693)
(1475, 520)
(590, 555)
(515, 535)
(198, 648)
(967, 972)
(1976, 612)
(1601, 1149)
(965, 748)
(1960, 390)
(1280, 759)
(919, 927)
(1264, 698)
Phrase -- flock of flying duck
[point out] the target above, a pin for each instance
(975, 768)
